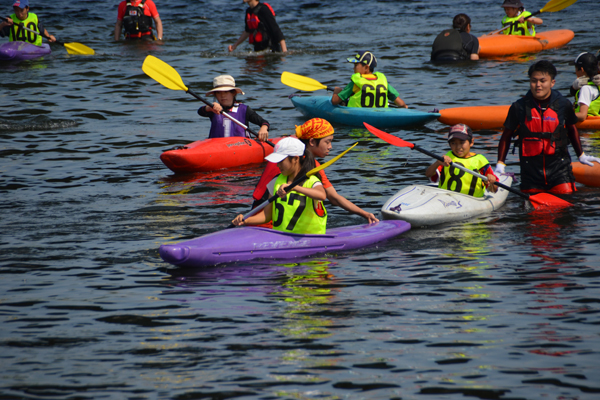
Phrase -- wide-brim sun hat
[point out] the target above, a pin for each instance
(289, 146)
(315, 128)
(460, 131)
(224, 83)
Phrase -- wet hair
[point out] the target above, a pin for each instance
(460, 22)
(545, 67)
(307, 162)
(588, 63)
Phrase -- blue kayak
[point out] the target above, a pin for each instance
(250, 243)
(20, 51)
(321, 107)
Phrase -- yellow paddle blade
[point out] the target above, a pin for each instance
(557, 5)
(328, 163)
(301, 82)
(78, 48)
(163, 73)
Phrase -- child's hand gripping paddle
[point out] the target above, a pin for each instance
(537, 200)
(296, 182)
(166, 75)
(72, 48)
(551, 6)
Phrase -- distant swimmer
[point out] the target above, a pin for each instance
(516, 19)
(366, 88)
(457, 43)
(261, 28)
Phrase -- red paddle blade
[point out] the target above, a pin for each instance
(391, 139)
(547, 200)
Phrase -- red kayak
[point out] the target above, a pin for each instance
(492, 117)
(212, 154)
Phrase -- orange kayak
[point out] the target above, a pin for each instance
(212, 154)
(503, 45)
(589, 176)
(493, 117)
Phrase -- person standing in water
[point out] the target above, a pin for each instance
(457, 43)
(261, 29)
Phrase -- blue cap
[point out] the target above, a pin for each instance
(364, 57)
(22, 4)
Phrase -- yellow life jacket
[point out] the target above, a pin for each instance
(594, 108)
(370, 91)
(452, 178)
(516, 28)
(298, 213)
(23, 35)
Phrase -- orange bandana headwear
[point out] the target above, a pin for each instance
(315, 128)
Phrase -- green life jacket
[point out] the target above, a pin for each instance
(298, 213)
(370, 91)
(457, 180)
(594, 108)
(516, 28)
(17, 33)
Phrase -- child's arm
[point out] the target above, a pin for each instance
(534, 21)
(582, 114)
(262, 217)
(490, 183)
(263, 132)
(431, 170)
(315, 192)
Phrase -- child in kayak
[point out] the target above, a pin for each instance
(544, 121)
(515, 18)
(366, 88)
(225, 91)
(587, 93)
(460, 139)
(22, 15)
(317, 136)
(300, 211)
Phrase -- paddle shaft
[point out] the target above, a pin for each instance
(272, 199)
(482, 177)
(228, 116)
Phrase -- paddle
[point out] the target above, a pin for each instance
(72, 48)
(296, 182)
(537, 200)
(166, 75)
(551, 6)
(306, 84)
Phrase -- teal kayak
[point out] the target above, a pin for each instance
(321, 107)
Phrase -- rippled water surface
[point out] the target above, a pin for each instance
(500, 307)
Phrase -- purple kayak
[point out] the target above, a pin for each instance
(249, 243)
(20, 51)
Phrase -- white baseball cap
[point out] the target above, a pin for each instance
(289, 146)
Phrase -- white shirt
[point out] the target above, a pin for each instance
(587, 94)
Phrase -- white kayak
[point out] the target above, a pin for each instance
(424, 205)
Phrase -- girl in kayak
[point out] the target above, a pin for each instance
(587, 84)
(301, 210)
(225, 91)
(460, 139)
(515, 19)
(317, 136)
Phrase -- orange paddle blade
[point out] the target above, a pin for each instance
(547, 200)
(386, 137)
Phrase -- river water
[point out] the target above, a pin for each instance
(500, 307)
